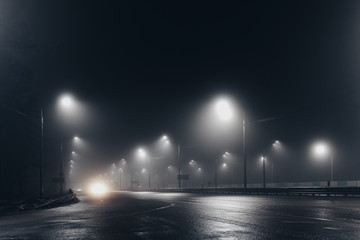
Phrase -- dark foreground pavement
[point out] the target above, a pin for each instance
(145, 215)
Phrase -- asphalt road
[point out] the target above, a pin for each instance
(147, 215)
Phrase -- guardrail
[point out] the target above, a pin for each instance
(298, 191)
(354, 183)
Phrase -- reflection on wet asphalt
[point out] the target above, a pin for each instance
(147, 215)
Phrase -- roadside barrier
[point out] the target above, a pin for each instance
(285, 191)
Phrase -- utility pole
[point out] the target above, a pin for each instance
(332, 167)
(120, 170)
(149, 171)
(244, 149)
(61, 172)
(131, 182)
(264, 159)
(216, 170)
(272, 172)
(179, 171)
(42, 155)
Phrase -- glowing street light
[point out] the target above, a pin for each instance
(263, 159)
(276, 146)
(224, 110)
(321, 149)
(142, 153)
(165, 139)
(225, 113)
(179, 176)
(66, 100)
(66, 103)
(216, 167)
(122, 165)
(76, 139)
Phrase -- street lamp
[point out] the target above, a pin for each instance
(263, 159)
(321, 149)
(224, 110)
(225, 113)
(121, 170)
(224, 155)
(66, 103)
(276, 146)
(66, 100)
(120, 173)
(142, 154)
(179, 176)
(42, 155)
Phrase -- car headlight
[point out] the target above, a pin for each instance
(98, 189)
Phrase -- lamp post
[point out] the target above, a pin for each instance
(244, 149)
(66, 102)
(61, 172)
(164, 137)
(199, 170)
(61, 178)
(143, 171)
(167, 174)
(275, 145)
(42, 156)
(263, 163)
(143, 154)
(216, 170)
(76, 140)
(217, 166)
(179, 169)
(120, 171)
(225, 113)
(227, 163)
(321, 149)
(122, 163)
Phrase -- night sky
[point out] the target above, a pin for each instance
(145, 68)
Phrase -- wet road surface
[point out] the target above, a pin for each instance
(148, 215)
